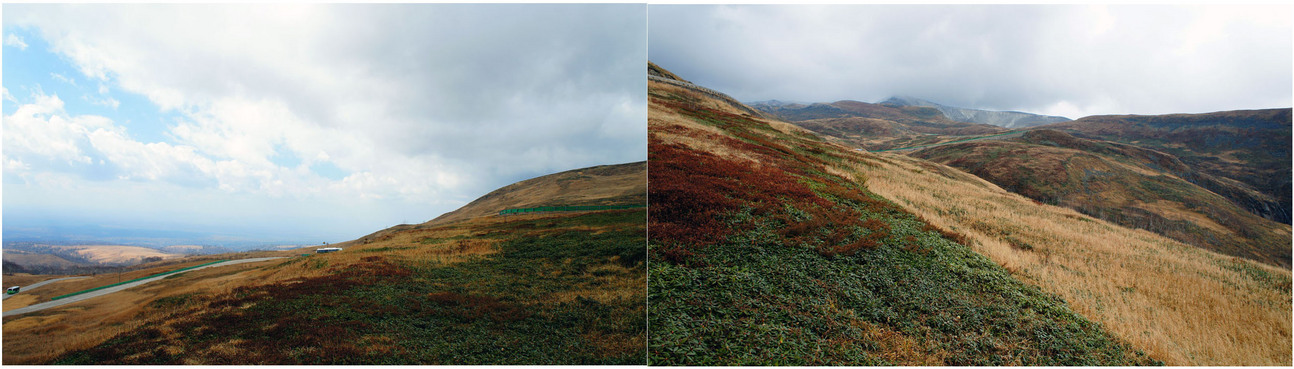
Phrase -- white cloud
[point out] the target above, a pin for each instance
(39, 129)
(439, 100)
(62, 78)
(1081, 60)
(15, 41)
(96, 148)
(102, 101)
(421, 107)
(15, 166)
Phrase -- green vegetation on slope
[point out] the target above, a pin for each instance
(761, 254)
(554, 290)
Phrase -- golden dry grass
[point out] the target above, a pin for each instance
(1179, 303)
(671, 128)
(606, 288)
(1177, 211)
(41, 336)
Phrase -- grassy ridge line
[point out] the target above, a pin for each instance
(567, 208)
(950, 142)
(136, 279)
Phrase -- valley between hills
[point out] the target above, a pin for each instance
(777, 238)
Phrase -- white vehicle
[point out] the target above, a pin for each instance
(326, 250)
(12, 290)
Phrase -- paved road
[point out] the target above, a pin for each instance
(105, 291)
(38, 284)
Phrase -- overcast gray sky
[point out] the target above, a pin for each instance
(325, 120)
(1070, 60)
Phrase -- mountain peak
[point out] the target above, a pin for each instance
(1006, 119)
(907, 101)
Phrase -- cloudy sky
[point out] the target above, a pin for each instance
(1072, 61)
(306, 122)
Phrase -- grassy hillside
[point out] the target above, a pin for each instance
(556, 288)
(600, 185)
(1123, 184)
(767, 249)
(1251, 147)
(769, 246)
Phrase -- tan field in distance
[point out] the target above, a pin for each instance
(111, 254)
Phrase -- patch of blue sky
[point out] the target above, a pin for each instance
(285, 157)
(329, 170)
(144, 120)
(38, 70)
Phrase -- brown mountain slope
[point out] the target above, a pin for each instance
(1123, 184)
(1251, 147)
(767, 244)
(601, 185)
(619, 184)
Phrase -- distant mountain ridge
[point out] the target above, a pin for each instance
(1007, 119)
(1246, 152)
(777, 104)
(903, 107)
(874, 126)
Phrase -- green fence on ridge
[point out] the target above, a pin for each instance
(542, 209)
